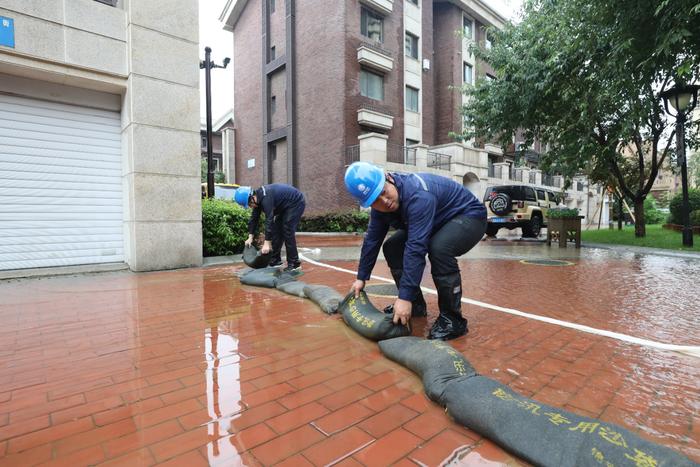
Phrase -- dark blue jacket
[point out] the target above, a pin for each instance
(426, 203)
(273, 200)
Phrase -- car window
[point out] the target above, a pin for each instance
(540, 195)
(553, 198)
(530, 194)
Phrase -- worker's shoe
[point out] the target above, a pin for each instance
(275, 264)
(292, 267)
(450, 324)
(419, 309)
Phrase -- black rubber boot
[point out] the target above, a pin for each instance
(419, 309)
(450, 323)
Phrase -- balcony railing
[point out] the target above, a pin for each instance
(533, 178)
(400, 154)
(352, 154)
(439, 161)
(548, 180)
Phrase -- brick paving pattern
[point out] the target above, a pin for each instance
(190, 368)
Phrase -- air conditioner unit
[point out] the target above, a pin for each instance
(426, 64)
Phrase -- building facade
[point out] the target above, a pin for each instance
(321, 84)
(99, 134)
(223, 138)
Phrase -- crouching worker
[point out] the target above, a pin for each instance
(283, 206)
(433, 215)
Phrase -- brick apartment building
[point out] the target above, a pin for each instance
(318, 84)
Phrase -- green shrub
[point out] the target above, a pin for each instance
(349, 221)
(224, 227)
(695, 218)
(676, 204)
(651, 214)
(562, 213)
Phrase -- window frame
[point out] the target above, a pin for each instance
(466, 18)
(364, 71)
(367, 13)
(406, 100)
(464, 74)
(415, 49)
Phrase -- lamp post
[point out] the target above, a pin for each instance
(207, 65)
(683, 98)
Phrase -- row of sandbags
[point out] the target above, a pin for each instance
(540, 434)
(536, 432)
(358, 313)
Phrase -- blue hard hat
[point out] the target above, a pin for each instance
(365, 182)
(242, 195)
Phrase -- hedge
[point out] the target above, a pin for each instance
(349, 221)
(676, 205)
(224, 227)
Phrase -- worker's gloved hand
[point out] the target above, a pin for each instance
(266, 248)
(402, 311)
(357, 287)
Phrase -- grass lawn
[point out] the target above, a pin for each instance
(657, 237)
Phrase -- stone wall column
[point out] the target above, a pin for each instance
(160, 136)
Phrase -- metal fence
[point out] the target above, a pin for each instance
(533, 178)
(439, 161)
(352, 154)
(400, 154)
(548, 180)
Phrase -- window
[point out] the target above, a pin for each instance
(273, 53)
(411, 45)
(468, 73)
(530, 194)
(204, 143)
(579, 186)
(272, 6)
(411, 99)
(468, 27)
(540, 195)
(411, 142)
(272, 152)
(488, 40)
(273, 104)
(490, 77)
(371, 85)
(372, 25)
(415, 2)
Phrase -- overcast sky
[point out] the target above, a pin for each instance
(212, 34)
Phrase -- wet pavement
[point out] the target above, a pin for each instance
(189, 367)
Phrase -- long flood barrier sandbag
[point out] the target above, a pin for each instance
(538, 433)
(368, 321)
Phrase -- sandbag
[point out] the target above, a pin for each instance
(540, 434)
(545, 435)
(266, 277)
(368, 321)
(292, 288)
(254, 258)
(437, 363)
(325, 297)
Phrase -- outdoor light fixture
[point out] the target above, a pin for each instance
(207, 65)
(683, 98)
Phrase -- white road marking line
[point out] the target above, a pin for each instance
(684, 349)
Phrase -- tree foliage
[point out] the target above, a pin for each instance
(584, 77)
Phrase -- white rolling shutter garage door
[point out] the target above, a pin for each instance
(60, 185)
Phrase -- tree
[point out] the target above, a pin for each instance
(584, 76)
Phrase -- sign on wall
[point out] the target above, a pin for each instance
(7, 32)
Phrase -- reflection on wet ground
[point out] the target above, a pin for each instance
(190, 367)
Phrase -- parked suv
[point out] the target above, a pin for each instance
(511, 206)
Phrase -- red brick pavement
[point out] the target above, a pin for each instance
(190, 368)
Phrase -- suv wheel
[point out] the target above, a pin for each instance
(534, 226)
(492, 230)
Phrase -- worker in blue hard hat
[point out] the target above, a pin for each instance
(434, 216)
(283, 206)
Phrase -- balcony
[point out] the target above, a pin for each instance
(374, 117)
(439, 161)
(375, 57)
(382, 6)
